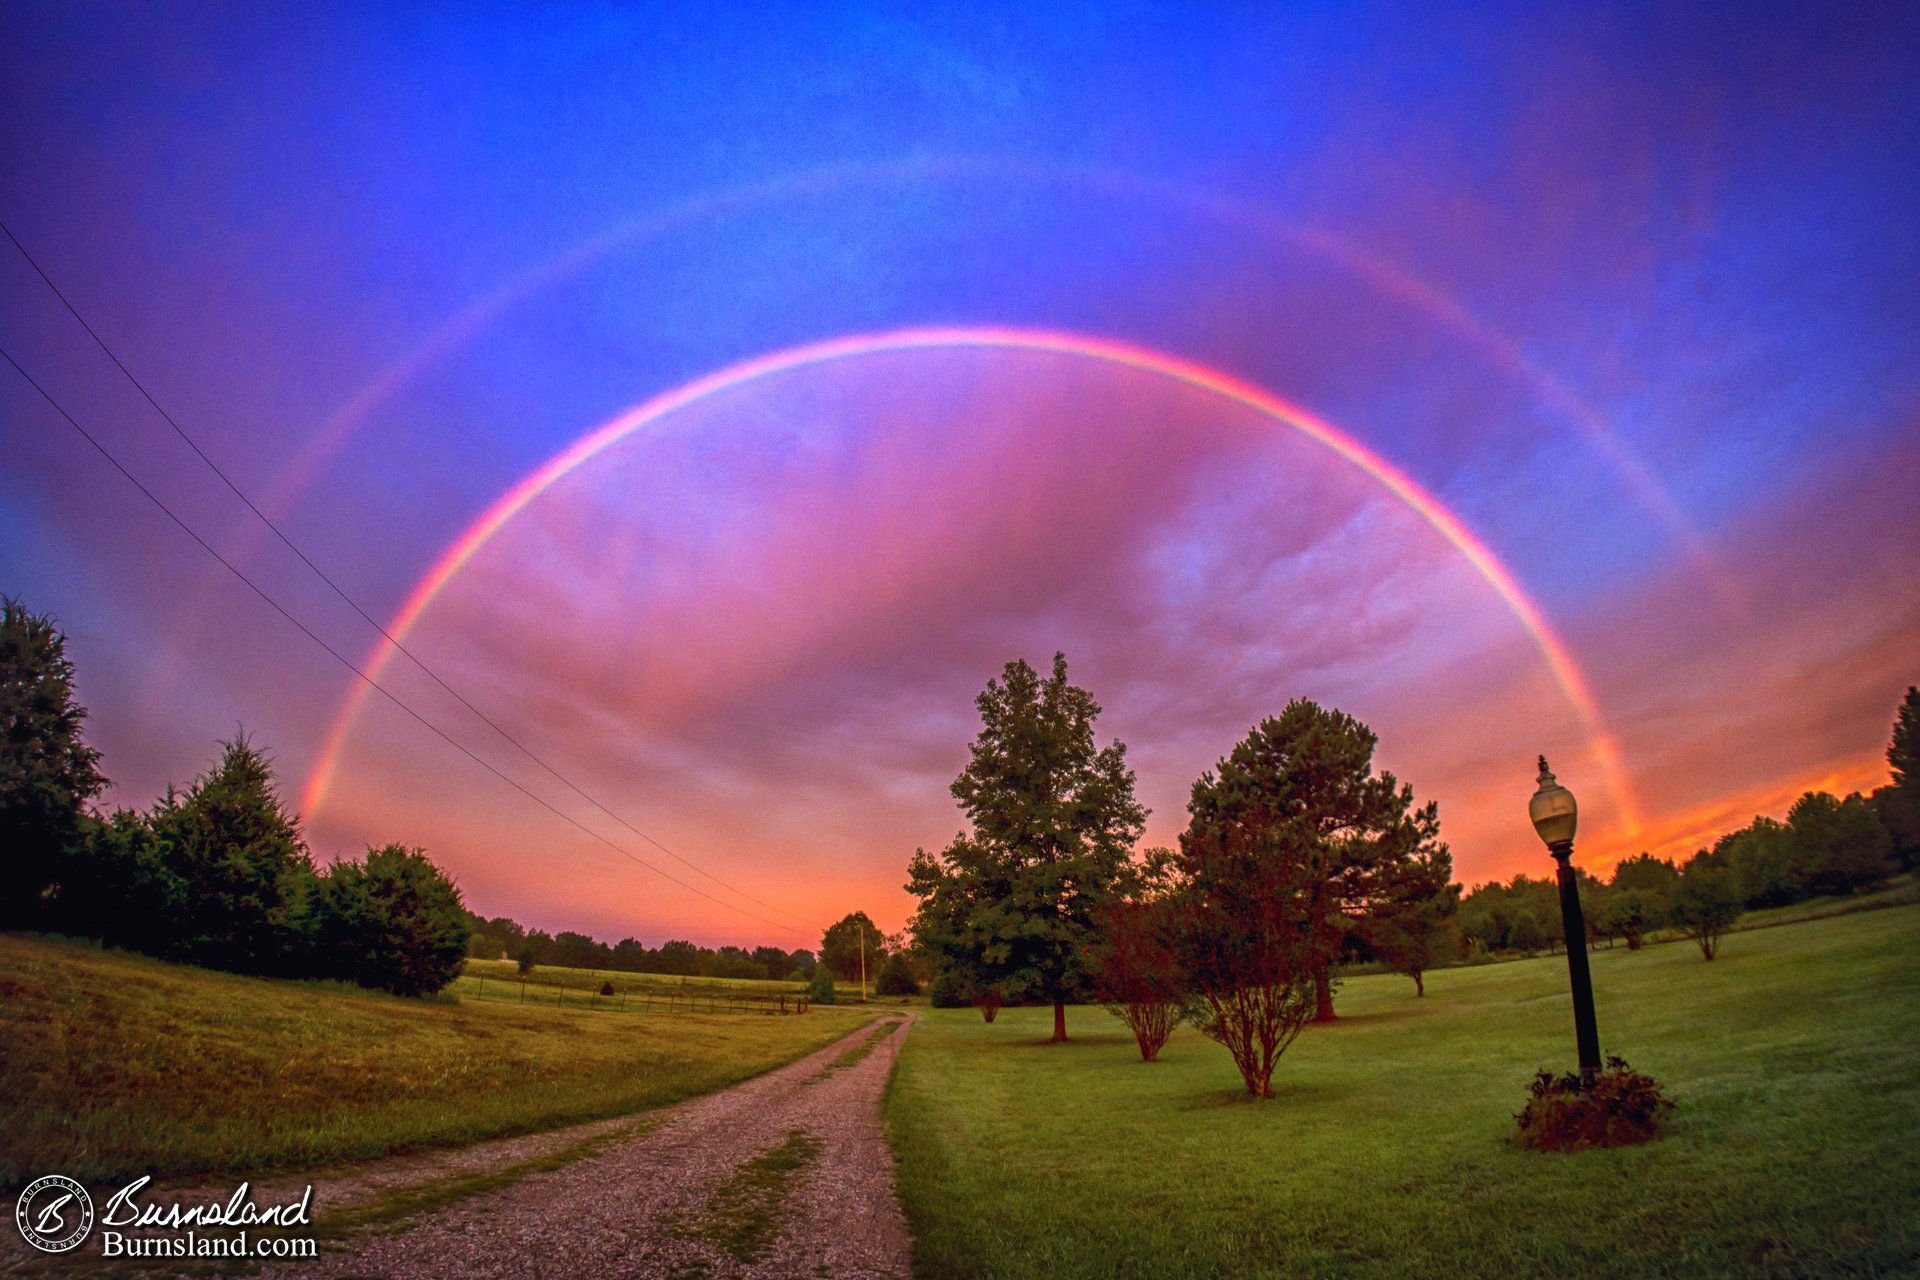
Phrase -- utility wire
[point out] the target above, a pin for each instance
(355, 605)
(348, 663)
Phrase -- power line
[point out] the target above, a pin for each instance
(355, 605)
(348, 663)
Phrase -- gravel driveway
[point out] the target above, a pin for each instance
(784, 1175)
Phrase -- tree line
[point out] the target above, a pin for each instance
(501, 938)
(1296, 853)
(216, 875)
(1826, 846)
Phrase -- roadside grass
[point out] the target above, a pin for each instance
(1794, 1059)
(114, 1065)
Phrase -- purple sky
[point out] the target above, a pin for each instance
(1630, 294)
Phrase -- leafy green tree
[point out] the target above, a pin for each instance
(1634, 912)
(1301, 784)
(47, 774)
(393, 921)
(1415, 936)
(773, 961)
(1644, 873)
(1013, 905)
(1526, 934)
(1137, 973)
(527, 960)
(243, 865)
(1841, 843)
(1706, 903)
(841, 947)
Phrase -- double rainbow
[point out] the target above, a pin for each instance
(1553, 650)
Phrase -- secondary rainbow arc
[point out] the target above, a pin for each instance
(1559, 660)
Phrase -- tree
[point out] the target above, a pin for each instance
(393, 921)
(527, 960)
(243, 865)
(1302, 785)
(1013, 905)
(1136, 972)
(773, 961)
(1841, 843)
(1634, 912)
(1244, 938)
(1766, 863)
(1706, 903)
(896, 977)
(1414, 937)
(820, 986)
(47, 774)
(1644, 873)
(843, 946)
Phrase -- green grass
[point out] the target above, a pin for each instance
(742, 1218)
(112, 1065)
(501, 976)
(1794, 1059)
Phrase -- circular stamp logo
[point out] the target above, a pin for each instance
(54, 1213)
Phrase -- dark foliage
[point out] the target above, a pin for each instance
(1622, 1108)
(820, 989)
(393, 921)
(1013, 905)
(896, 977)
(47, 774)
(1300, 790)
(1137, 969)
(948, 991)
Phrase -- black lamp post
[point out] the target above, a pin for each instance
(1555, 816)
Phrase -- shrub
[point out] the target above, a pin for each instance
(393, 921)
(946, 991)
(820, 989)
(896, 978)
(1622, 1108)
(606, 988)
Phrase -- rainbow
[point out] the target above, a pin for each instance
(1553, 650)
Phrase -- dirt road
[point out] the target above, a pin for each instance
(785, 1175)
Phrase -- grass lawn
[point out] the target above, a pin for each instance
(1794, 1059)
(112, 1065)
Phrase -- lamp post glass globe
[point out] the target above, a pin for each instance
(1554, 813)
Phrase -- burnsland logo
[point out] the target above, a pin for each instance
(54, 1213)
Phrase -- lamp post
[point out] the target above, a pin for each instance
(1555, 815)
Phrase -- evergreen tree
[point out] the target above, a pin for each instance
(1301, 787)
(393, 921)
(47, 774)
(1013, 905)
(1898, 803)
(242, 865)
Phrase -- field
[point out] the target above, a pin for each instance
(113, 1065)
(493, 978)
(1794, 1059)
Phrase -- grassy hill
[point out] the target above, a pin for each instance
(113, 1065)
(1794, 1059)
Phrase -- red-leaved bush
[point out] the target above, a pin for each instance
(1622, 1108)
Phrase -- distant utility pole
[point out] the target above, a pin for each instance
(863, 962)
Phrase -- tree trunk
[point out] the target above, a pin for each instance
(1059, 1023)
(1323, 994)
(1419, 984)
